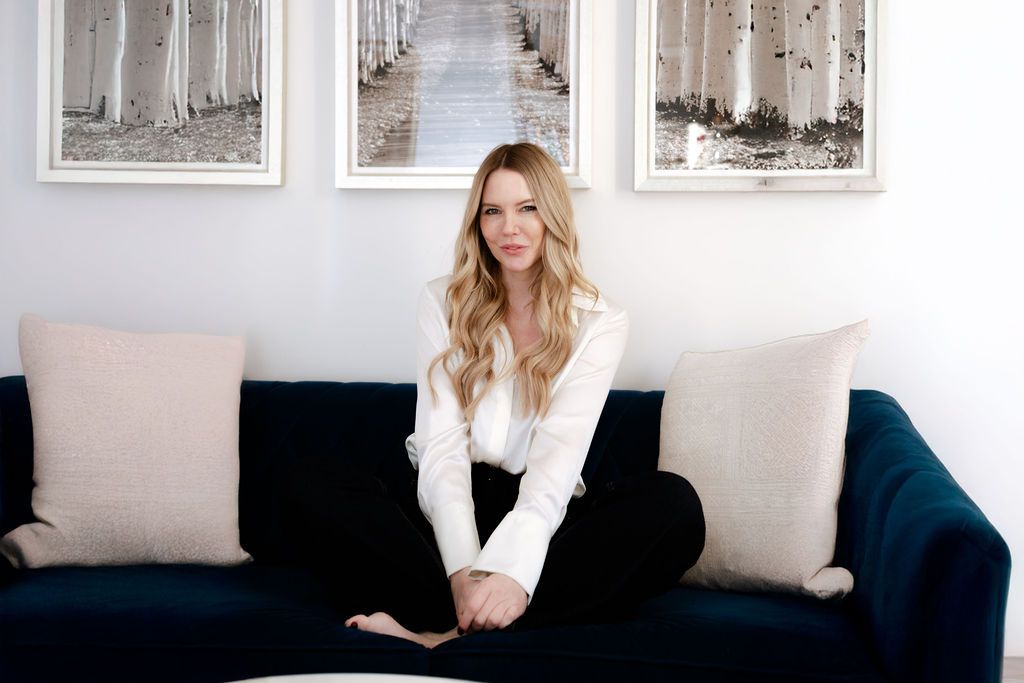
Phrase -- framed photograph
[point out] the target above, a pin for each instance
(761, 95)
(160, 91)
(426, 88)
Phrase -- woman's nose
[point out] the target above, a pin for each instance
(511, 224)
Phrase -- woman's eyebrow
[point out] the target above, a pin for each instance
(519, 203)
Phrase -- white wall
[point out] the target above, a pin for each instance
(322, 282)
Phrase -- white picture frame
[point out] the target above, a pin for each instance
(648, 177)
(350, 173)
(266, 45)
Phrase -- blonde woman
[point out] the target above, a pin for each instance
(516, 354)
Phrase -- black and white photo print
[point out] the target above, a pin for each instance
(436, 84)
(761, 87)
(162, 88)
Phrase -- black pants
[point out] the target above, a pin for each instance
(617, 545)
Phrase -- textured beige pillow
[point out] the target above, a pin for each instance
(136, 447)
(760, 433)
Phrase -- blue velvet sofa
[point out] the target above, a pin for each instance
(928, 605)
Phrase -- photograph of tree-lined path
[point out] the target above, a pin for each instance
(760, 85)
(442, 82)
(163, 81)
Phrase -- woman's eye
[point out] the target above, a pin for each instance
(491, 212)
(529, 207)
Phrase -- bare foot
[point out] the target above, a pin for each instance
(384, 623)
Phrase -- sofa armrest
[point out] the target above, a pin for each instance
(931, 574)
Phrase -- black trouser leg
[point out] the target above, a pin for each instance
(618, 546)
(374, 552)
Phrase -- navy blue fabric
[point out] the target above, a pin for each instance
(366, 424)
(181, 622)
(686, 635)
(929, 600)
(15, 454)
(931, 573)
(362, 423)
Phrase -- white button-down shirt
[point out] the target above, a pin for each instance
(550, 451)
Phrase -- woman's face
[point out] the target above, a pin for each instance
(510, 221)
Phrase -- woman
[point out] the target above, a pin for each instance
(516, 355)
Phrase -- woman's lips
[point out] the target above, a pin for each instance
(513, 249)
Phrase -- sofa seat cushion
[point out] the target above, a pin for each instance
(687, 634)
(182, 622)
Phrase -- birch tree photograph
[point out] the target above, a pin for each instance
(162, 90)
(771, 88)
(431, 86)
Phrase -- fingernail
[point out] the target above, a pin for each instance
(353, 625)
(461, 632)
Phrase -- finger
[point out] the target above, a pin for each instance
(480, 618)
(484, 619)
(474, 604)
(496, 618)
(472, 608)
(479, 615)
(466, 620)
(510, 615)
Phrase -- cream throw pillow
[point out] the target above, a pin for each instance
(135, 447)
(760, 434)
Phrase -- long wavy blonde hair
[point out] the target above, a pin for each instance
(476, 298)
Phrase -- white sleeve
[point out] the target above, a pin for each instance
(444, 484)
(519, 544)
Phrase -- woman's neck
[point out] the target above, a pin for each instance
(517, 289)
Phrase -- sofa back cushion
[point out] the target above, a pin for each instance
(366, 424)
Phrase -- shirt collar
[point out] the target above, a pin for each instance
(583, 301)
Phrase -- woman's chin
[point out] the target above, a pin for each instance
(519, 265)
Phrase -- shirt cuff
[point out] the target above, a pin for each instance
(455, 530)
(516, 548)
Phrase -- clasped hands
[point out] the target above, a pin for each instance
(484, 605)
